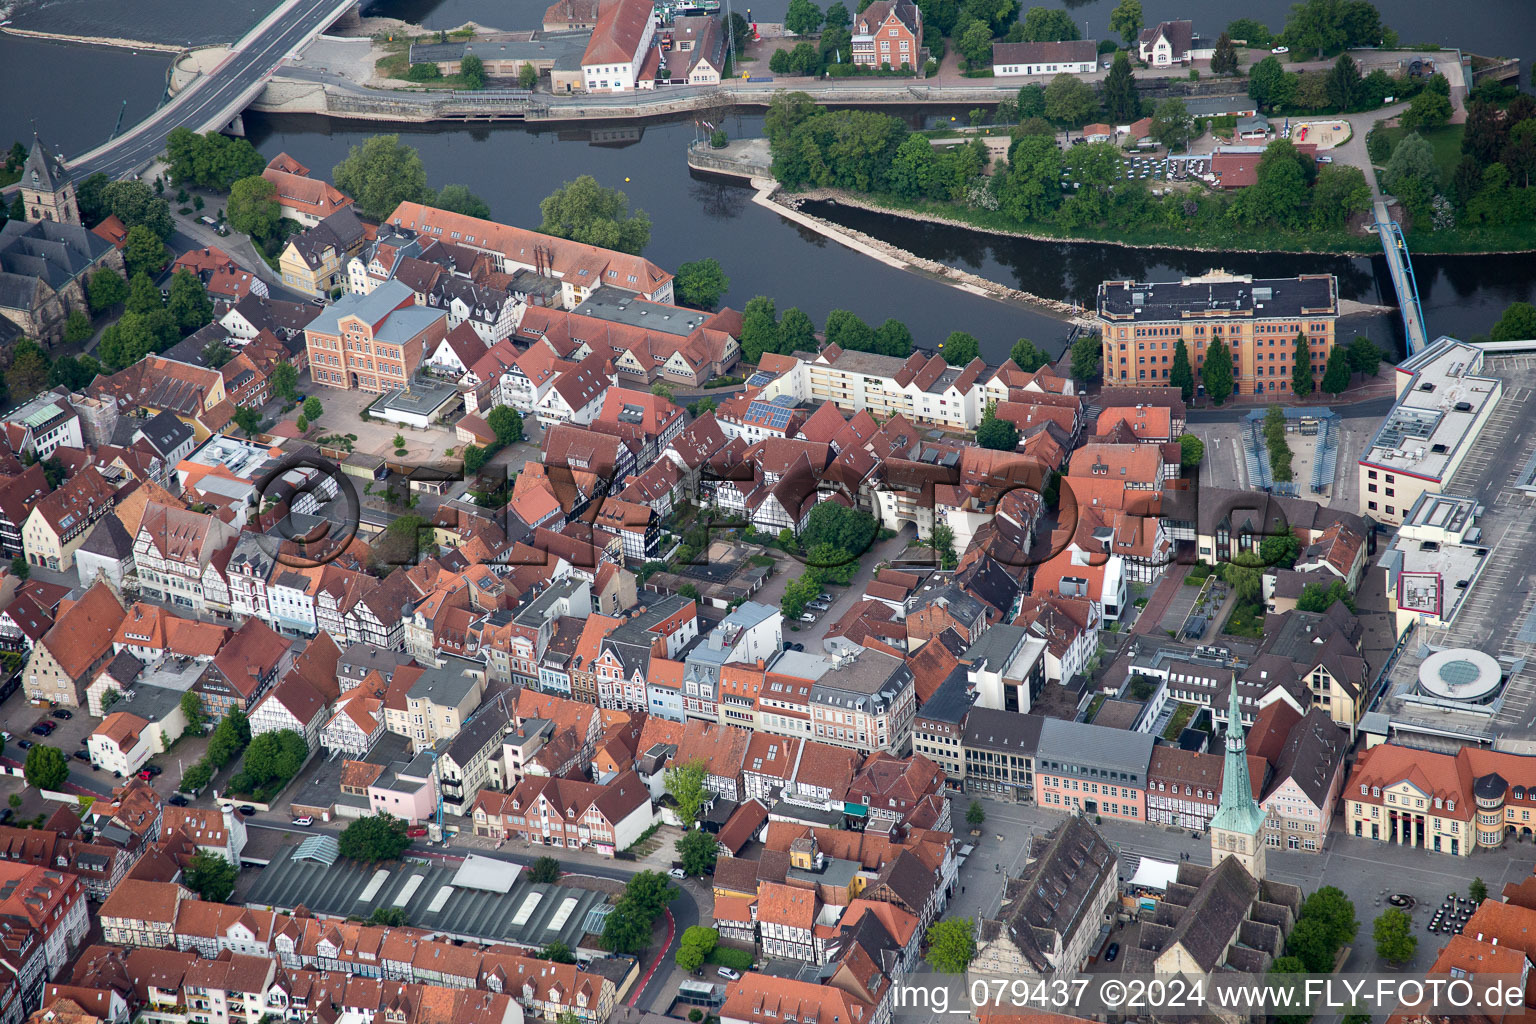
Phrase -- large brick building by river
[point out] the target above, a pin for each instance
(1142, 324)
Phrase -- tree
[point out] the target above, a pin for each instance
(253, 208)
(1329, 905)
(528, 77)
(19, 568)
(802, 18)
(1477, 890)
(545, 870)
(1171, 123)
(211, 876)
(1395, 941)
(685, 784)
(697, 851)
(584, 211)
(106, 289)
(1048, 24)
(216, 354)
(246, 418)
(77, 327)
(975, 44)
(1269, 84)
(1315, 597)
(846, 330)
(779, 62)
(1316, 25)
(797, 332)
(313, 409)
(1127, 21)
(1216, 373)
(211, 160)
(1413, 158)
(1344, 84)
(1339, 193)
(285, 381)
(1121, 101)
(144, 253)
(1027, 357)
(73, 372)
(1191, 451)
(475, 458)
(460, 199)
(649, 892)
(1086, 356)
(1336, 375)
(381, 174)
(951, 944)
(1182, 376)
(136, 205)
(1365, 355)
(229, 738)
(196, 777)
(192, 711)
(1426, 110)
(275, 757)
(700, 283)
(1517, 324)
(1069, 100)
(189, 303)
(697, 943)
(28, 372)
(624, 930)
(1301, 368)
(996, 434)
(1311, 942)
(374, 837)
(1224, 59)
(46, 768)
(389, 917)
(88, 197)
(975, 814)
(759, 329)
(472, 70)
(960, 348)
(143, 296)
(800, 591)
(1280, 550)
(506, 423)
(942, 541)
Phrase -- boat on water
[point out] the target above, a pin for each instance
(668, 11)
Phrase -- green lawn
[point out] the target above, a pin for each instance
(1247, 619)
(1445, 141)
(1180, 719)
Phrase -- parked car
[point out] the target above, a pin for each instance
(304, 822)
(825, 597)
(145, 774)
(1112, 952)
(1281, 49)
(1325, 159)
(153, 769)
(416, 831)
(6, 814)
(728, 974)
(39, 730)
(63, 713)
(25, 744)
(807, 617)
(677, 873)
(820, 606)
(209, 221)
(247, 810)
(178, 801)
(82, 755)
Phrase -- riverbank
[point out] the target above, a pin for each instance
(112, 41)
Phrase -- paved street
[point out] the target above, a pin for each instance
(843, 598)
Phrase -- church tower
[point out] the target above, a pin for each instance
(1237, 827)
(46, 190)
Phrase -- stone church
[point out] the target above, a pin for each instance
(46, 260)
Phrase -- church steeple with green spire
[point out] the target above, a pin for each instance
(1237, 827)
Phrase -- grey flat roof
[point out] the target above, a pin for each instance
(995, 647)
(620, 307)
(1267, 298)
(1094, 746)
(436, 897)
(447, 686)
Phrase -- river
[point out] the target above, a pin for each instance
(513, 167)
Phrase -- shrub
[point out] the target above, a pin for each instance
(735, 959)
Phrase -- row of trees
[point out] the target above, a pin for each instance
(230, 738)
(628, 928)
(1279, 448)
(211, 160)
(1341, 89)
(834, 539)
(150, 322)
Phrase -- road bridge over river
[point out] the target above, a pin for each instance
(216, 98)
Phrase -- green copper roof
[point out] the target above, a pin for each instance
(1237, 812)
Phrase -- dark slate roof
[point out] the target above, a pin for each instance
(951, 701)
(1311, 755)
(1205, 927)
(909, 880)
(49, 251)
(124, 667)
(1068, 866)
(109, 539)
(999, 730)
(165, 432)
(1172, 300)
(43, 170)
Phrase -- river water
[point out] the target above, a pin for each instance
(74, 92)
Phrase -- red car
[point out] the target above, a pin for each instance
(416, 831)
